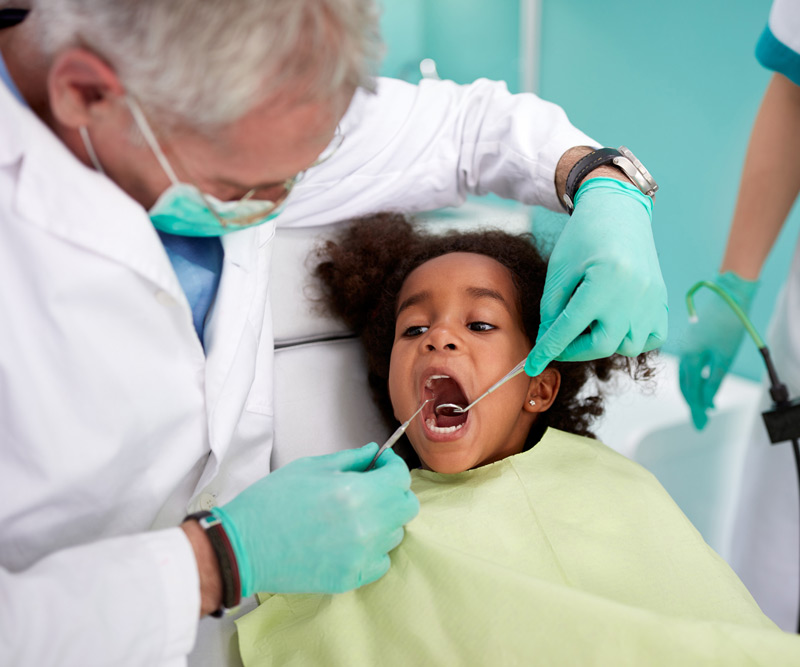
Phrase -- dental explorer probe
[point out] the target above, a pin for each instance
(396, 435)
(457, 409)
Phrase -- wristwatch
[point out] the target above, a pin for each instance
(621, 158)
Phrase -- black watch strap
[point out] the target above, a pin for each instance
(582, 168)
(228, 567)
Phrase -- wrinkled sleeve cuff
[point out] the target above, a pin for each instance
(176, 566)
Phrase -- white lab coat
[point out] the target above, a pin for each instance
(113, 422)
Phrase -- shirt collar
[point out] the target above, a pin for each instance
(5, 77)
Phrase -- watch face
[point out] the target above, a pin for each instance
(652, 186)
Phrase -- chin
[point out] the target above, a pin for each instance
(449, 463)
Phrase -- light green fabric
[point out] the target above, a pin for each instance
(568, 554)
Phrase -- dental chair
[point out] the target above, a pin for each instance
(322, 399)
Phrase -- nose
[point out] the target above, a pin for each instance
(441, 338)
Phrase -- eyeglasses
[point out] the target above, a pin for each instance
(255, 205)
(277, 194)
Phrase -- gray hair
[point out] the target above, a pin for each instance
(206, 63)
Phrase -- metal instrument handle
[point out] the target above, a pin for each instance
(394, 437)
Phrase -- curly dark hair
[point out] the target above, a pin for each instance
(363, 269)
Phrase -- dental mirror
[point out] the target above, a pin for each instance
(453, 409)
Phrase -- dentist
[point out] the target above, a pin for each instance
(147, 152)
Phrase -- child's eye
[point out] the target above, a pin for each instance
(415, 331)
(480, 326)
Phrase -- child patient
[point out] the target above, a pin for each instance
(535, 544)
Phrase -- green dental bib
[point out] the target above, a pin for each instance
(568, 554)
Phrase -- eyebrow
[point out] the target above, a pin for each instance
(413, 300)
(488, 293)
(476, 292)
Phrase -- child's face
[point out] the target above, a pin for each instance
(458, 331)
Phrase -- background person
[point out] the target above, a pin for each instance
(151, 351)
(765, 540)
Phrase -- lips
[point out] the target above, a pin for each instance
(442, 388)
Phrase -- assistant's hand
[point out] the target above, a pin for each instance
(711, 344)
(604, 276)
(320, 524)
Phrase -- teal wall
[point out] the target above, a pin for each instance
(677, 82)
(468, 39)
(402, 29)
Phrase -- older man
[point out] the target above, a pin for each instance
(136, 341)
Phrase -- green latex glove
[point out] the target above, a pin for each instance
(320, 524)
(711, 344)
(604, 292)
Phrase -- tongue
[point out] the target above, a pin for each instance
(444, 421)
(447, 390)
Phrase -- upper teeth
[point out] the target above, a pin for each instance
(430, 380)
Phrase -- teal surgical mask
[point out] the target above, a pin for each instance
(183, 209)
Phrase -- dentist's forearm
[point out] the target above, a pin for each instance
(770, 180)
(207, 568)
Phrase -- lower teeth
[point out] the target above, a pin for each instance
(431, 424)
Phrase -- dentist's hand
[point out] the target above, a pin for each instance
(711, 344)
(603, 275)
(320, 524)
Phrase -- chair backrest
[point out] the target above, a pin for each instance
(322, 400)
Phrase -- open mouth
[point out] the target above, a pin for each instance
(444, 389)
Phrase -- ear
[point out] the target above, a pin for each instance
(82, 87)
(542, 391)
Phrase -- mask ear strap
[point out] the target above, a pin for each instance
(87, 144)
(150, 138)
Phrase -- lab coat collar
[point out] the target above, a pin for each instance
(59, 194)
(241, 248)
